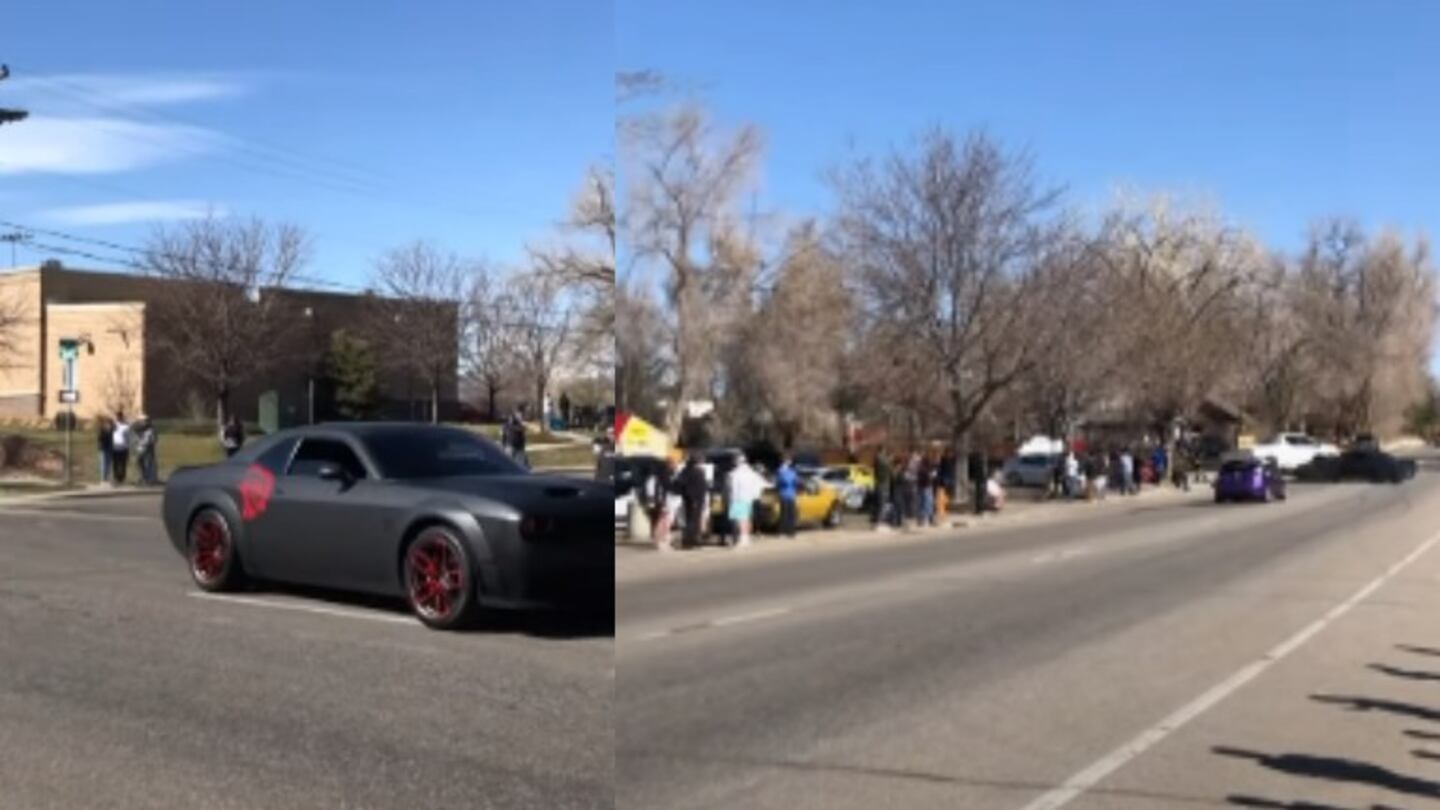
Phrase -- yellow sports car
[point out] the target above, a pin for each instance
(853, 482)
(816, 504)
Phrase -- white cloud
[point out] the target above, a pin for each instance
(97, 145)
(89, 93)
(134, 211)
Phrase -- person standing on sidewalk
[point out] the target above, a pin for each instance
(145, 441)
(1127, 473)
(745, 488)
(232, 436)
(881, 497)
(926, 482)
(977, 480)
(694, 492)
(787, 485)
(105, 443)
(910, 490)
(120, 439)
(662, 505)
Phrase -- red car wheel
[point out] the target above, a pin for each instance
(439, 581)
(210, 548)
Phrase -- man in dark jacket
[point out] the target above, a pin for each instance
(694, 491)
(978, 475)
(883, 475)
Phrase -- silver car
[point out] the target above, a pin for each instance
(1029, 470)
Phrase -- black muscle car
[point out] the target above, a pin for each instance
(436, 515)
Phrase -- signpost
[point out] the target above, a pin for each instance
(69, 395)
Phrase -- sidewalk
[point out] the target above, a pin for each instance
(639, 560)
(84, 491)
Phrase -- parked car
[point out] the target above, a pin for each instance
(1029, 470)
(815, 505)
(1248, 478)
(1291, 451)
(1360, 464)
(855, 482)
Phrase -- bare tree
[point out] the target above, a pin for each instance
(541, 329)
(791, 352)
(1369, 310)
(488, 348)
(415, 314)
(583, 265)
(639, 366)
(222, 316)
(12, 318)
(946, 242)
(684, 180)
(1179, 274)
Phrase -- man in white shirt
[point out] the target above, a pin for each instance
(745, 488)
(120, 447)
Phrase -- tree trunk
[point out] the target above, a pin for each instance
(434, 403)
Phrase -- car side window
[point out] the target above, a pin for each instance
(275, 458)
(315, 453)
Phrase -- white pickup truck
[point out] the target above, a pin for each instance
(1292, 450)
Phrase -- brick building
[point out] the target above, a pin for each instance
(122, 367)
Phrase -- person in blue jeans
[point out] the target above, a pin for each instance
(787, 485)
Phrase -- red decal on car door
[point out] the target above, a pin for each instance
(255, 490)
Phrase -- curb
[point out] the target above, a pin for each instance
(81, 494)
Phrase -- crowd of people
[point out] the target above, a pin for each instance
(118, 439)
(1119, 470)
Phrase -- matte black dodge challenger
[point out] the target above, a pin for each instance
(438, 516)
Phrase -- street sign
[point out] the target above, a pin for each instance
(69, 397)
(69, 349)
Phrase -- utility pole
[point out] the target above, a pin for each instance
(14, 239)
(10, 116)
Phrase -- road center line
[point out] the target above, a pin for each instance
(1077, 785)
(318, 609)
(750, 617)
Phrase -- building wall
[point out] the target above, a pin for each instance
(112, 376)
(20, 370)
(166, 391)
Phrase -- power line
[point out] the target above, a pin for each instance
(550, 320)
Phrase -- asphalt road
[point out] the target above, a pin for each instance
(1186, 655)
(121, 688)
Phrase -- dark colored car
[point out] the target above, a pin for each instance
(1360, 464)
(436, 515)
(1248, 479)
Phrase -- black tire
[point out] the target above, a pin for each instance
(1219, 498)
(211, 551)
(439, 580)
(832, 518)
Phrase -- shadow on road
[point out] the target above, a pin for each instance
(1337, 769)
(1416, 734)
(1410, 648)
(1252, 801)
(1363, 704)
(595, 620)
(1412, 674)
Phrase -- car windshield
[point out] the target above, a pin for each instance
(436, 453)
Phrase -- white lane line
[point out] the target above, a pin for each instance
(1077, 785)
(317, 609)
(710, 624)
(750, 617)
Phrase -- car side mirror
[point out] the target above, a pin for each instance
(334, 472)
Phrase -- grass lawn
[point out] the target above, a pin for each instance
(183, 449)
(173, 450)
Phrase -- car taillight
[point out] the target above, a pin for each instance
(536, 528)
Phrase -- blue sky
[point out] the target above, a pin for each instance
(369, 123)
(1279, 112)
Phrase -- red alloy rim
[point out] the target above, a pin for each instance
(209, 548)
(437, 579)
